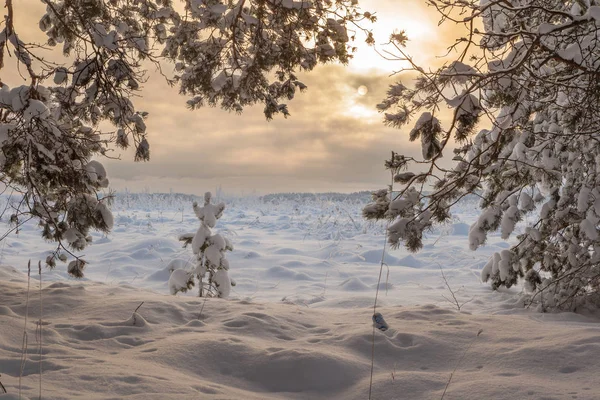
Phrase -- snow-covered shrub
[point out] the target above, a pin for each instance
(531, 72)
(211, 268)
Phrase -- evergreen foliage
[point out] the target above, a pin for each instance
(225, 53)
(530, 76)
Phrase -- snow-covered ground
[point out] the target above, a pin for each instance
(298, 324)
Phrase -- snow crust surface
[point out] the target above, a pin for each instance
(298, 323)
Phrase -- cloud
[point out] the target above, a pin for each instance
(322, 146)
(322, 143)
(334, 139)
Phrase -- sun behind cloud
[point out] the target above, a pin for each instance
(333, 140)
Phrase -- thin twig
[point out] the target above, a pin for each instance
(24, 344)
(202, 308)
(459, 362)
(2, 386)
(454, 300)
(40, 326)
(138, 307)
(381, 264)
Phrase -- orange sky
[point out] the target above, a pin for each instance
(333, 141)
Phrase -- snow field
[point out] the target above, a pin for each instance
(298, 325)
(95, 347)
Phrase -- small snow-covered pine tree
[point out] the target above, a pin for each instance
(212, 268)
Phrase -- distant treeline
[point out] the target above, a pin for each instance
(136, 198)
(126, 199)
(356, 197)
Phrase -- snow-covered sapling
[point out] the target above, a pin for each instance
(211, 268)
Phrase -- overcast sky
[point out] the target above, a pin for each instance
(333, 141)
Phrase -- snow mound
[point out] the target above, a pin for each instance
(461, 229)
(254, 350)
(411, 261)
(353, 284)
(7, 311)
(9, 273)
(252, 254)
(294, 264)
(135, 320)
(162, 275)
(248, 242)
(374, 257)
(280, 272)
(287, 251)
(103, 240)
(383, 286)
(286, 273)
